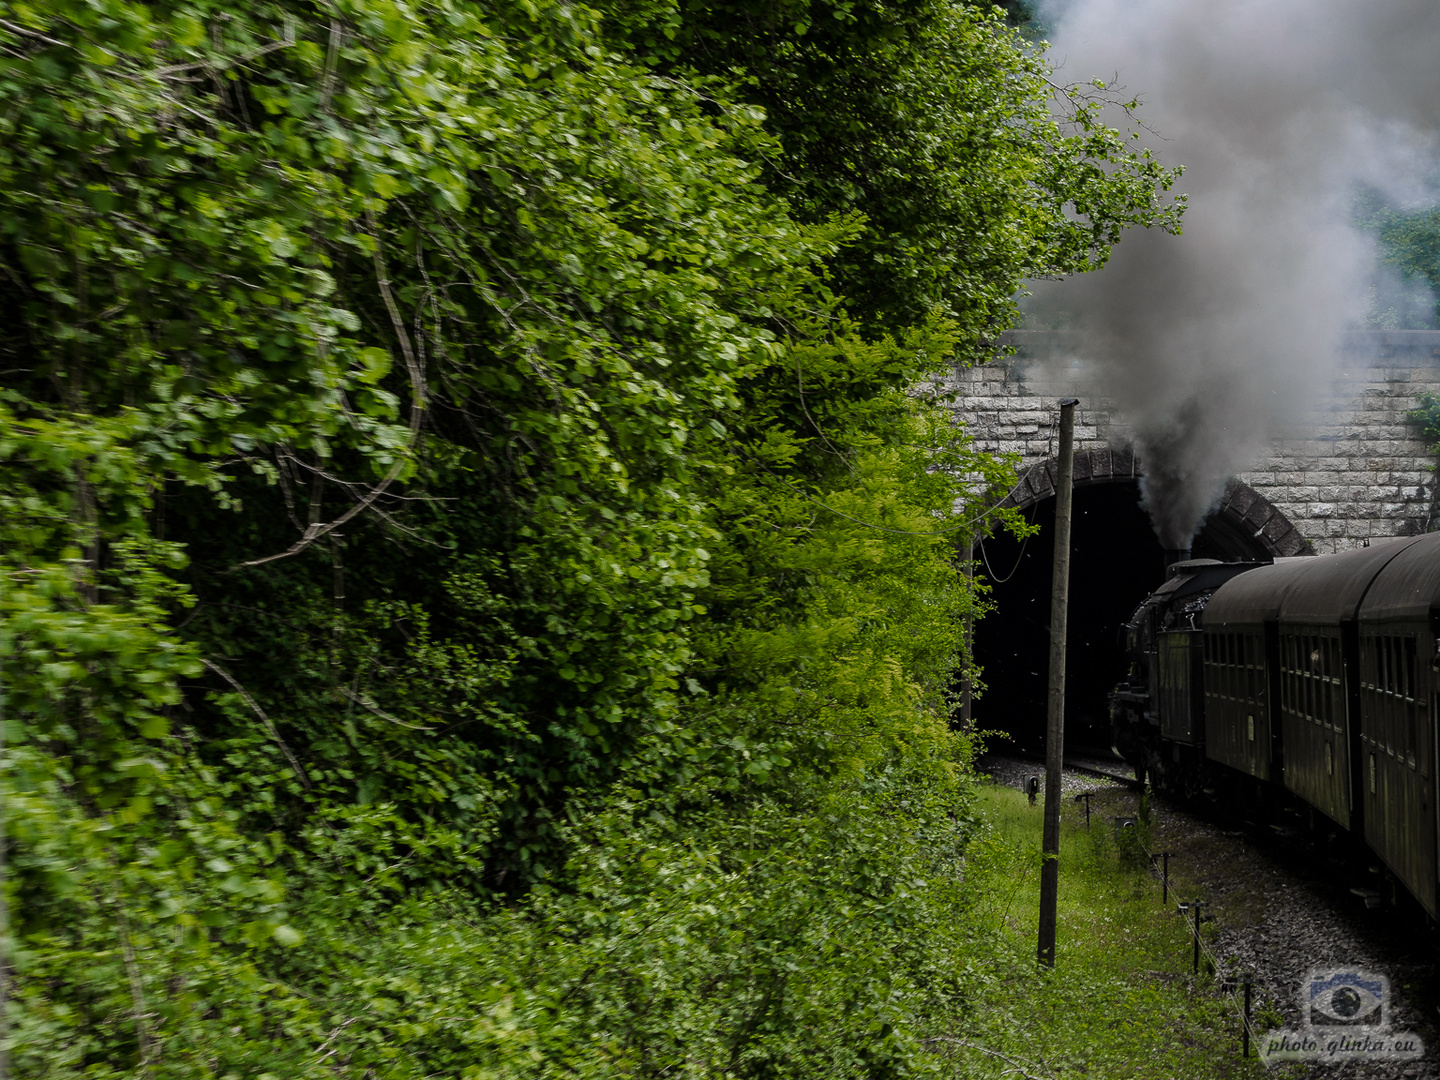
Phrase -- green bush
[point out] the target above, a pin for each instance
(477, 597)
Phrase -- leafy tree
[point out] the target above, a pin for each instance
(935, 124)
(467, 558)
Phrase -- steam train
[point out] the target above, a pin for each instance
(1309, 687)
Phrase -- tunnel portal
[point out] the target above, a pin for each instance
(1116, 560)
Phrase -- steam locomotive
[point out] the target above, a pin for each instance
(1308, 687)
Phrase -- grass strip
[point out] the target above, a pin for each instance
(1121, 1002)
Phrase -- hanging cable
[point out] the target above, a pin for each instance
(1023, 545)
(1049, 448)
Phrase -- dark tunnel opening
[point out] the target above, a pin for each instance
(1115, 561)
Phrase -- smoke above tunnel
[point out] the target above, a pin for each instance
(1212, 342)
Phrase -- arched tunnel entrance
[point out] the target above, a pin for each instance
(1115, 561)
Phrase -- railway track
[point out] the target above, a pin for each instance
(1118, 771)
(1113, 769)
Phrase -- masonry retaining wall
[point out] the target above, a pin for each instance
(1351, 472)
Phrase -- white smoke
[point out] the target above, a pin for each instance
(1279, 110)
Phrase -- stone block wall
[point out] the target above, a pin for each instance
(1356, 470)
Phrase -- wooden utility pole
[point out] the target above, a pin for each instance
(1055, 713)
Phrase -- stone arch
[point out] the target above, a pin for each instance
(1243, 520)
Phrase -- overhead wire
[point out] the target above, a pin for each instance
(1049, 447)
(1023, 545)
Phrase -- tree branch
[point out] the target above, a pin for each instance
(255, 708)
(371, 707)
(417, 415)
(32, 34)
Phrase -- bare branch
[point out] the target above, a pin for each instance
(137, 990)
(32, 34)
(417, 415)
(331, 1038)
(255, 708)
(370, 707)
(332, 60)
(285, 42)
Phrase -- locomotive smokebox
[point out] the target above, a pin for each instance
(1175, 555)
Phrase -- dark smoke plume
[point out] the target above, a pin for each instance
(1280, 110)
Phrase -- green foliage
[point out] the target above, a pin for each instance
(1409, 242)
(1426, 416)
(933, 121)
(476, 592)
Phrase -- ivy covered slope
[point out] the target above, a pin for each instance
(477, 594)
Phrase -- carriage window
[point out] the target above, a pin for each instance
(1312, 707)
(1327, 711)
(1302, 680)
(1286, 677)
(1257, 670)
(1409, 667)
(1297, 674)
(1337, 679)
(1332, 683)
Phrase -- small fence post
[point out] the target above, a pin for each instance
(1245, 1038)
(1085, 796)
(1195, 906)
(1164, 857)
